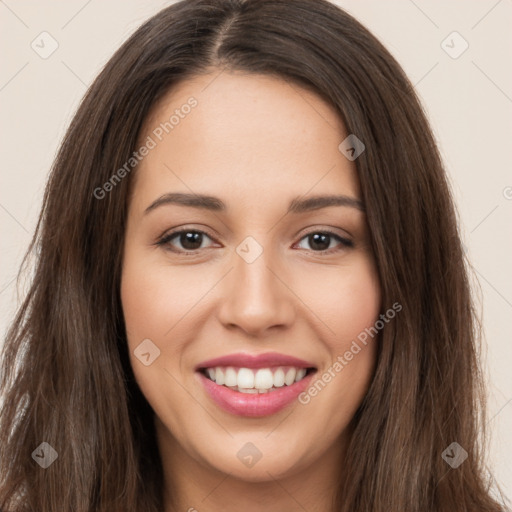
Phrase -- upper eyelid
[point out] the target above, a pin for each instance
(172, 234)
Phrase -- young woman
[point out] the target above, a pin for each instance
(250, 290)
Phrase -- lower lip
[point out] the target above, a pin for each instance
(254, 404)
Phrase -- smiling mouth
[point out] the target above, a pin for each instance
(256, 380)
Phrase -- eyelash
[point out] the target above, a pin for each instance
(165, 240)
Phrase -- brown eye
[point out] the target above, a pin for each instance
(190, 240)
(320, 241)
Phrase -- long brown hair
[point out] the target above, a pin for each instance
(66, 376)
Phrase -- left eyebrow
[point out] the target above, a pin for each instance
(297, 205)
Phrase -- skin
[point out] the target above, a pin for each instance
(256, 142)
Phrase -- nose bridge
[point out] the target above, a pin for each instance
(255, 297)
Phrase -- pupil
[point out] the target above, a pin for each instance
(189, 239)
(321, 241)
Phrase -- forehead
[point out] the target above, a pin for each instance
(251, 136)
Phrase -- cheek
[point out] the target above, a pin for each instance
(155, 298)
(348, 303)
(161, 303)
(153, 304)
(346, 299)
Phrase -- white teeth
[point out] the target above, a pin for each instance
(247, 390)
(219, 376)
(289, 378)
(279, 378)
(230, 378)
(262, 380)
(300, 374)
(245, 378)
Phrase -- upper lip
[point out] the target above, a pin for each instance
(265, 360)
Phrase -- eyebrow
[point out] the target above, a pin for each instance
(297, 205)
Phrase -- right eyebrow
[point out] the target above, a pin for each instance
(192, 200)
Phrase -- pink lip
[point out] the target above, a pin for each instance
(266, 360)
(253, 405)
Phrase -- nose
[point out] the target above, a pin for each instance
(256, 296)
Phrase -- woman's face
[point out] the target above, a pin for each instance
(248, 276)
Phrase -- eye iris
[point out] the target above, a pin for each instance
(189, 238)
(320, 241)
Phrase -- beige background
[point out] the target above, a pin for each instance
(468, 99)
